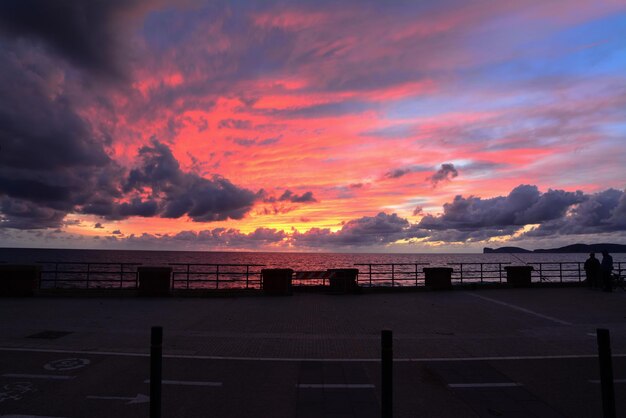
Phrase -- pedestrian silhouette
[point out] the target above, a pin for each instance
(607, 270)
(592, 271)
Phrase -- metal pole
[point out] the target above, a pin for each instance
(156, 351)
(387, 374)
(606, 373)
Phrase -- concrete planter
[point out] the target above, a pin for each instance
(343, 280)
(438, 278)
(154, 281)
(277, 281)
(18, 280)
(518, 276)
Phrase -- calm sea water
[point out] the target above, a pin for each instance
(296, 261)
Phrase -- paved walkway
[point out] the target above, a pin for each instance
(519, 352)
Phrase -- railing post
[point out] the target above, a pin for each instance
(415, 275)
(461, 273)
(386, 386)
(392, 274)
(247, 274)
(156, 352)
(370, 266)
(560, 272)
(88, 268)
(579, 272)
(217, 276)
(481, 273)
(606, 373)
(56, 274)
(500, 272)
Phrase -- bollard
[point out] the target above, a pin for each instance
(606, 373)
(387, 374)
(156, 351)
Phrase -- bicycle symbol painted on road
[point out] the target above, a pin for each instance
(15, 391)
(66, 364)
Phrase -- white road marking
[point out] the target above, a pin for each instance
(300, 359)
(26, 416)
(39, 376)
(187, 383)
(614, 381)
(335, 386)
(519, 308)
(140, 398)
(592, 334)
(483, 385)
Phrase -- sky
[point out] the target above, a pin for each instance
(400, 126)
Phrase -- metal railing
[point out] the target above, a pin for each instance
(481, 272)
(212, 276)
(88, 275)
(391, 274)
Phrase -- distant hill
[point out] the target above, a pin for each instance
(574, 248)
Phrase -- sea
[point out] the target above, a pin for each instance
(294, 260)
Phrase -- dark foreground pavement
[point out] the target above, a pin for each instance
(509, 353)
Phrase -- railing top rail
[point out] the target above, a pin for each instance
(391, 264)
(89, 262)
(474, 263)
(217, 264)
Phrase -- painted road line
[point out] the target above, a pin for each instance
(519, 308)
(335, 386)
(140, 398)
(614, 381)
(483, 385)
(38, 376)
(26, 416)
(300, 359)
(187, 383)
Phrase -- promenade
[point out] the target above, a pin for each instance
(485, 353)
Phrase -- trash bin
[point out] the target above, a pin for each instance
(438, 278)
(277, 281)
(18, 279)
(154, 281)
(518, 276)
(343, 280)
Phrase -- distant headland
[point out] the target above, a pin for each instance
(574, 248)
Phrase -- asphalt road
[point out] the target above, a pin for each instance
(68, 385)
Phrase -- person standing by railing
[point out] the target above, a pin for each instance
(607, 270)
(592, 270)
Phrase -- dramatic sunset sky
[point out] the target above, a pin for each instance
(404, 126)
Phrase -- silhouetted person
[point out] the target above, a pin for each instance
(607, 269)
(592, 270)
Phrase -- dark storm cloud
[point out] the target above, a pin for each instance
(87, 33)
(51, 160)
(399, 172)
(445, 173)
(288, 196)
(366, 231)
(21, 214)
(601, 212)
(180, 193)
(524, 205)
(213, 238)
